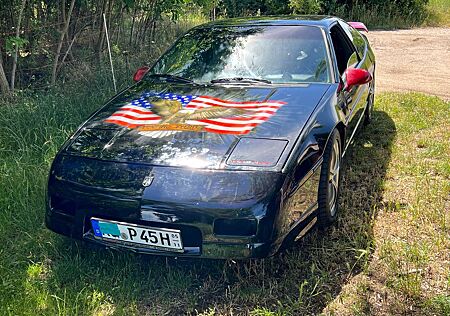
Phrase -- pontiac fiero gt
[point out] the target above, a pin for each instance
(229, 146)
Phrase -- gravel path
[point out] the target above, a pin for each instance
(413, 60)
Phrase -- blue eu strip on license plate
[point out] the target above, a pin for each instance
(96, 228)
(101, 228)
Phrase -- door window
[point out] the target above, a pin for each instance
(343, 49)
(356, 37)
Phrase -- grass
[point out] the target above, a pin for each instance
(439, 13)
(388, 253)
(389, 16)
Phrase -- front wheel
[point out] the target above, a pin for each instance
(329, 181)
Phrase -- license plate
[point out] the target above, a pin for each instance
(158, 238)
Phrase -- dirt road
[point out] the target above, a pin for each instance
(413, 60)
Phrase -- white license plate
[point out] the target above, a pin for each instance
(158, 238)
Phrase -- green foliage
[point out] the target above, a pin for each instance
(12, 42)
(440, 303)
(402, 7)
(438, 13)
(128, 4)
(276, 7)
(408, 9)
(379, 12)
(236, 8)
(374, 13)
(305, 6)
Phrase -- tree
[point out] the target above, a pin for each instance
(4, 86)
(16, 52)
(61, 39)
(305, 6)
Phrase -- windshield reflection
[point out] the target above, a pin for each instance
(279, 54)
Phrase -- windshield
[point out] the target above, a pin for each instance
(279, 54)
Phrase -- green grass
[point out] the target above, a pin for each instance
(388, 16)
(387, 253)
(439, 13)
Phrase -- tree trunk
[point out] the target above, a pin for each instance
(132, 25)
(145, 28)
(67, 51)
(16, 52)
(120, 19)
(153, 32)
(61, 39)
(63, 11)
(101, 35)
(4, 86)
(66, 34)
(139, 29)
(153, 23)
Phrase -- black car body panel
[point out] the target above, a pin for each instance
(102, 140)
(232, 192)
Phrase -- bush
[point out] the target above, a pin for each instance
(305, 6)
(239, 8)
(379, 12)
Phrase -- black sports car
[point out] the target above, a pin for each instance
(229, 146)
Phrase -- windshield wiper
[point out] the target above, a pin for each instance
(241, 79)
(170, 77)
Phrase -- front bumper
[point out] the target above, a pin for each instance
(193, 202)
(78, 226)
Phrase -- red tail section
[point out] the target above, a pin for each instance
(359, 26)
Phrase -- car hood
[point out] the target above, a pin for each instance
(212, 127)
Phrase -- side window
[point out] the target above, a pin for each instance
(355, 37)
(345, 53)
(359, 42)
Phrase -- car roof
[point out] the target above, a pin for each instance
(323, 21)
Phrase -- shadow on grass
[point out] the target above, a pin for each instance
(301, 280)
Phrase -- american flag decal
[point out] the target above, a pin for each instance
(173, 112)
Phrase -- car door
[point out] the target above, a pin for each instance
(348, 56)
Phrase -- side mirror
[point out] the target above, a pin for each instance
(140, 73)
(356, 77)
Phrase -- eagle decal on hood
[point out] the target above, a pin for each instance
(162, 114)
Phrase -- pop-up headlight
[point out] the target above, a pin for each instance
(257, 152)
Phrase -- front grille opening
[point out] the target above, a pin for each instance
(235, 227)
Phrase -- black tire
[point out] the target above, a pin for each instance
(329, 181)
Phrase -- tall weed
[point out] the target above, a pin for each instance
(382, 14)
